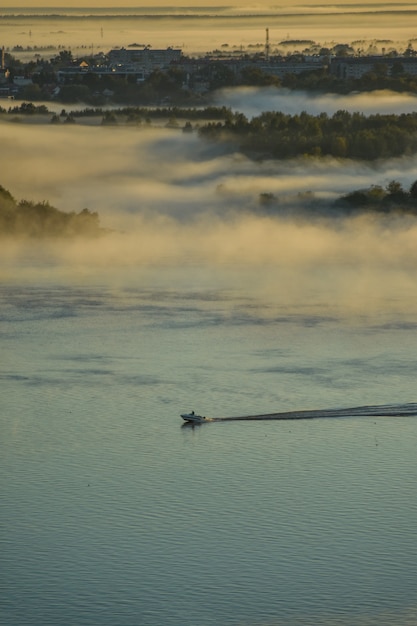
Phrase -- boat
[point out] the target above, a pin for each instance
(193, 418)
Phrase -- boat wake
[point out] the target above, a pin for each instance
(384, 410)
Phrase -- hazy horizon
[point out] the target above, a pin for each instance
(245, 7)
(198, 28)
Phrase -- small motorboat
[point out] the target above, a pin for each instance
(193, 417)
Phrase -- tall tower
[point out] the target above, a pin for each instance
(267, 48)
(2, 58)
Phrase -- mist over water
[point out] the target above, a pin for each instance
(171, 198)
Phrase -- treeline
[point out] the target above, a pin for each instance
(27, 108)
(392, 199)
(97, 89)
(192, 113)
(278, 135)
(321, 81)
(38, 220)
(126, 114)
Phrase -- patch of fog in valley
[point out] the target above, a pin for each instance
(252, 101)
(174, 200)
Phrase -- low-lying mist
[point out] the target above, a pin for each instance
(125, 172)
(172, 200)
(199, 29)
(253, 101)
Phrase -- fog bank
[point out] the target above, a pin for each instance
(253, 101)
(123, 173)
(178, 204)
(200, 29)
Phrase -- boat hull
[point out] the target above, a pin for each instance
(192, 418)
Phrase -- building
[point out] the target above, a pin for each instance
(76, 73)
(283, 67)
(143, 59)
(355, 67)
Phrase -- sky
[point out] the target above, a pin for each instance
(256, 4)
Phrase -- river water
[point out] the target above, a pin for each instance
(115, 512)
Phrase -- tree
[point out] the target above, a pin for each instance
(376, 193)
(413, 191)
(381, 69)
(252, 75)
(63, 59)
(397, 69)
(339, 146)
(394, 187)
(109, 119)
(6, 196)
(396, 193)
(71, 94)
(220, 75)
(32, 92)
(410, 52)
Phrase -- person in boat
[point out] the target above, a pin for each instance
(192, 413)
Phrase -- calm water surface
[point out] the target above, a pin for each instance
(115, 513)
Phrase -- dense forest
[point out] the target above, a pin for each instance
(278, 135)
(271, 135)
(30, 219)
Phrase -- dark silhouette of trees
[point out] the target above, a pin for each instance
(256, 77)
(28, 108)
(344, 135)
(392, 198)
(40, 219)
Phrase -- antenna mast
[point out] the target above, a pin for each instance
(267, 47)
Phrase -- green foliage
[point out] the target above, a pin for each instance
(63, 59)
(321, 80)
(344, 135)
(71, 94)
(256, 77)
(30, 219)
(391, 199)
(33, 92)
(109, 119)
(28, 108)
(218, 74)
(136, 114)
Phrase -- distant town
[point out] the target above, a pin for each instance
(142, 75)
